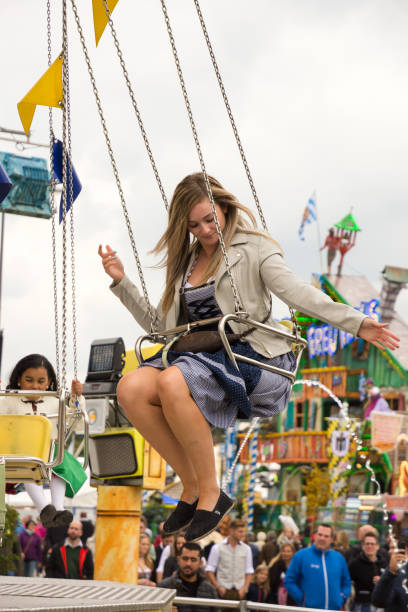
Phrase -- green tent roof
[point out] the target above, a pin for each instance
(348, 223)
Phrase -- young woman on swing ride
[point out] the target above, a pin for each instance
(175, 407)
(35, 373)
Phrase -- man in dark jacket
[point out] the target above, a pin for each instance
(189, 580)
(391, 591)
(71, 559)
(356, 550)
(365, 571)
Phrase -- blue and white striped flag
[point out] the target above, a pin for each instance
(309, 215)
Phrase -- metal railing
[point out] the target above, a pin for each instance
(242, 606)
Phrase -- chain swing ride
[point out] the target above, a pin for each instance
(28, 452)
(167, 337)
(298, 343)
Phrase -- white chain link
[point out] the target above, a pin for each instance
(71, 217)
(134, 104)
(237, 304)
(64, 196)
(230, 115)
(53, 210)
(238, 139)
(114, 168)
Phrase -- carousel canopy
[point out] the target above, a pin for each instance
(348, 223)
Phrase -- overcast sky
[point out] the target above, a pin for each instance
(319, 91)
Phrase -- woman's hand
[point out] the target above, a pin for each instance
(378, 334)
(76, 388)
(112, 264)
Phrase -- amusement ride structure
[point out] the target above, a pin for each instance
(29, 457)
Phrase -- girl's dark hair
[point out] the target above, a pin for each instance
(32, 361)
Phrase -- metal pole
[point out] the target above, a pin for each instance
(1, 256)
(18, 141)
(253, 459)
(318, 234)
(3, 216)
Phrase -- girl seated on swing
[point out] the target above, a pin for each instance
(35, 373)
(174, 408)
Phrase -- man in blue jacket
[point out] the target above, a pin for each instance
(317, 576)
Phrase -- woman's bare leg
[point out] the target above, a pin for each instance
(192, 431)
(138, 396)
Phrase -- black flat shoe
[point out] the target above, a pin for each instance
(204, 521)
(47, 516)
(180, 518)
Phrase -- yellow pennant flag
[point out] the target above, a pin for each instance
(46, 92)
(99, 16)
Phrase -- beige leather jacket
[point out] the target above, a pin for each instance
(257, 267)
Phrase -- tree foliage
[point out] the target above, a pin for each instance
(316, 488)
(8, 558)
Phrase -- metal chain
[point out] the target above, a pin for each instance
(64, 196)
(230, 115)
(71, 218)
(237, 137)
(114, 168)
(237, 304)
(134, 104)
(53, 210)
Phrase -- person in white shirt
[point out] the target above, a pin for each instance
(229, 566)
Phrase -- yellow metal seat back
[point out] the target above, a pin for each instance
(291, 328)
(25, 442)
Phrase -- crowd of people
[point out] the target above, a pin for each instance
(234, 564)
(55, 552)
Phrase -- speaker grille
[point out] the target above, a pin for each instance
(112, 455)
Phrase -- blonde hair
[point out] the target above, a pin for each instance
(342, 541)
(279, 555)
(146, 557)
(262, 568)
(176, 239)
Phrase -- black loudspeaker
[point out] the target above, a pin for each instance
(116, 453)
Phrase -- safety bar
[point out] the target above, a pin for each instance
(234, 356)
(161, 338)
(2, 497)
(85, 418)
(242, 318)
(61, 423)
(242, 605)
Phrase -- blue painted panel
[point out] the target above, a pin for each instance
(30, 194)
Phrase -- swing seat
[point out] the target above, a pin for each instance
(298, 343)
(27, 447)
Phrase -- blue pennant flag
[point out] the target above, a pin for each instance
(5, 184)
(309, 215)
(57, 168)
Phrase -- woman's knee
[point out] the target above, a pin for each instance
(135, 387)
(171, 384)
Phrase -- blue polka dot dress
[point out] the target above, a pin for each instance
(221, 392)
